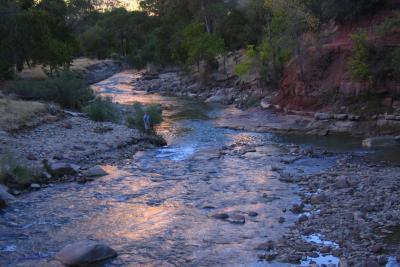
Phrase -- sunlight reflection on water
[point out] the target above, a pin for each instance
(151, 208)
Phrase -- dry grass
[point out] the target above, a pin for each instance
(37, 73)
(16, 113)
(83, 63)
(34, 73)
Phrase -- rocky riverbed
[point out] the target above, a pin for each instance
(215, 196)
(348, 215)
(65, 148)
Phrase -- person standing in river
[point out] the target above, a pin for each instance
(147, 122)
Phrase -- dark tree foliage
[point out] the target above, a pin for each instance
(34, 34)
(344, 10)
(52, 32)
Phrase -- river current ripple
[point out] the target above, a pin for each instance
(156, 209)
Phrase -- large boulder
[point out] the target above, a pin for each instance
(96, 171)
(61, 169)
(380, 141)
(83, 253)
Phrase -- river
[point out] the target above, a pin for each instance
(162, 207)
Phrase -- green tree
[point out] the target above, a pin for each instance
(199, 45)
(96, 42)
(8, 11)
(34, 34)
(296, 19)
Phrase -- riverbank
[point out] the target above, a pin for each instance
(348, 214)
(255, 111)
(91, 70)
(71, 139)
(43, 144)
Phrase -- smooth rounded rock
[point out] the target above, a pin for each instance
(84, 252)
(60, 169)
(96, 171)
(237, 219)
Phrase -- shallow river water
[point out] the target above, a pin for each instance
(156, 209)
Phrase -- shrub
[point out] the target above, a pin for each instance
(130, 122)
(248, 63)
(102, 109)
(358, 65)
(11, 172)
(242, 68)
(67, 89)
(373, 64)
(154, 111)
(70, 91)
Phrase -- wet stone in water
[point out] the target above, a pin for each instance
(236, 219)
(220, 216)
(253, 214)
(154, 202)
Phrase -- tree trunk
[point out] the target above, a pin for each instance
(206, 20)
(297, 37)
(273, 49)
